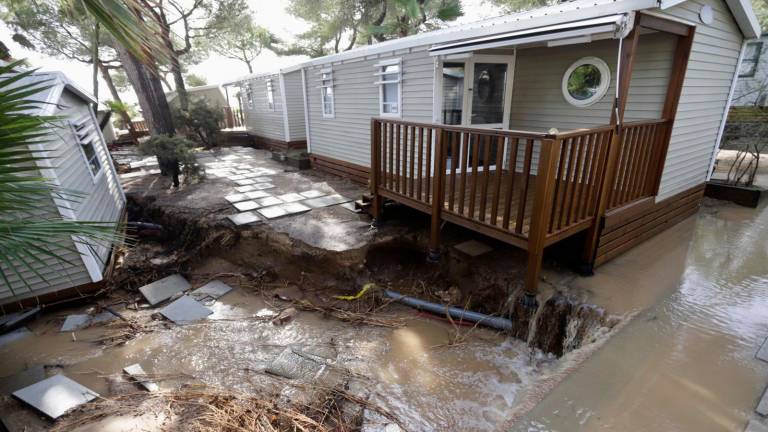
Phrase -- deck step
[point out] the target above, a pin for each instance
(362, 205)
(366, 198)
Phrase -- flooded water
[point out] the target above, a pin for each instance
(687, 362)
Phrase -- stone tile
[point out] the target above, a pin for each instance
(313, 193)
(269, 201)
(13, 336)
(762, 354)
(295, 207)
(762, 406)
(272, 212)
(235, 198)
(163, 289)
(473, 248)
(185, 310)
(244, 182)
(55, 395)
(236, 177)
(262, 186)
(292, 365)
(136, 372)
(326, 201)
(246, 206)
(213, 289)
(257, 194)
(291, 197)
(15, 319)
(78, 321)
(263, 179)
(25, 378)
(249, 174)
(756, 426)
(351, 207)
(244, 218)
(242, 189)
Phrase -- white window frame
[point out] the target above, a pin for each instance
(86, 133)
(324, 86)
(381, 83)
(270, 94)
(605, 81)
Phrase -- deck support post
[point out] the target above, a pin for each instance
(377, 205)
(626, 64)
(542, 208)
(438, 188)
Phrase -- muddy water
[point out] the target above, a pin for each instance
(686, 363)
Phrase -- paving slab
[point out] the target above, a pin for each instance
(756, 426)
(236, 177)
(272, 212)
(25, 378)
(13, 336)
(269, 201)
(326, 201)
(257, 194)
(293, 365)
(244, 182)
(246, 205)
(291, 197)
(295, 207)
(473, 248)
(55, 395)
(242, 189)
(136, 372)
(262, 179)
(78, 321)
(762, 353)
(263, 186)
(351, 207)
(312, 193)
(185, 310)
(213, 289)
(236, 198)
(163, 289)
(18, 318)
(762, 406)
(244, 218)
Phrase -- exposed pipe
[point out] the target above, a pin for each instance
(453, 312)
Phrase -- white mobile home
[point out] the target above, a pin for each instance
(590, 117)
(273, 109)
(752, 87)
(212, 95)
(79, 161)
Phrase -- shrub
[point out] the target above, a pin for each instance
(174, 155)
(201, 123)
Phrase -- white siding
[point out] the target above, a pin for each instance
(259, 119)
(706, 86)
(294, 99)
(346, 136)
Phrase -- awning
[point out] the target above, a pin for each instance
(608, 27)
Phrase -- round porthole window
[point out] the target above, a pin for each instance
(586, 81)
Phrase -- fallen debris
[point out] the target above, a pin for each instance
(55, 395)
(366, 317)
(284, 316)
(79, 321)
(10, 322)
(185, 310)
(136, 372)
(213, 289)
(163, 289)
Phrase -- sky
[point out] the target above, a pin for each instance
(217, 69)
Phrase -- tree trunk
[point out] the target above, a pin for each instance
(149, 91)
(96, 63)
(116, 97)
(178, 80)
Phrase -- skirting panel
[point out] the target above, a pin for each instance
(354, 172)
(642, 225)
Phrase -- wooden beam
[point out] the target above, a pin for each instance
(438, 196)
(628, 51)
(663, 25)
(375, 169)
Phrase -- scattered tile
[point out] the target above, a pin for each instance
(185, 310)
(242, 189)
(326, 201)
(235, 198)
(246, 205)
(351, 207)
(291, 197)
(762, 354)
(293, 365)
(236, 177)
(272, 212)
(136, 372)
(257, 194)
(262, 179)
(13, 336)
(55, 395)
(312, 193)
(244, 182)
(14, 320)
(19, 380)
(78, 321)
(473, 248)
(262, 186)
(762, 406)
(755, 426)
(244, 218)
(295, 207)
(269, 201)
(163, 289)
(284, 316)
(213, 289)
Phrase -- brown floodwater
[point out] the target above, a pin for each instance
(686, 363)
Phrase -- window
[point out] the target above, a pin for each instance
(389, 82)
(326, 92)
(586, 81)
(270, 96)
(249, 95)
(751, 57)
(88, 137)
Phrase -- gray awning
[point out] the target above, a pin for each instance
(607, 27)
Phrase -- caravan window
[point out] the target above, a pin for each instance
(88, 137)
(390, 90)
(270, 96)
(326, 92)
(249, 95)
(586, 81)
(751, 58)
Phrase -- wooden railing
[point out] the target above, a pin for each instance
(233, 117)
(140, 126)
(640, 162)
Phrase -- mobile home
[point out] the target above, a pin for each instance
(592, 117)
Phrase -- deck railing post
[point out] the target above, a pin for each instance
(542, 206)
(438, 197)
(376, 207)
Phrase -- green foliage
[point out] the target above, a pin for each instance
(761, 10)
(119, 107)
(32, 232)
(194, 80)
(510, 6)
(175, 155)
(201, 123)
